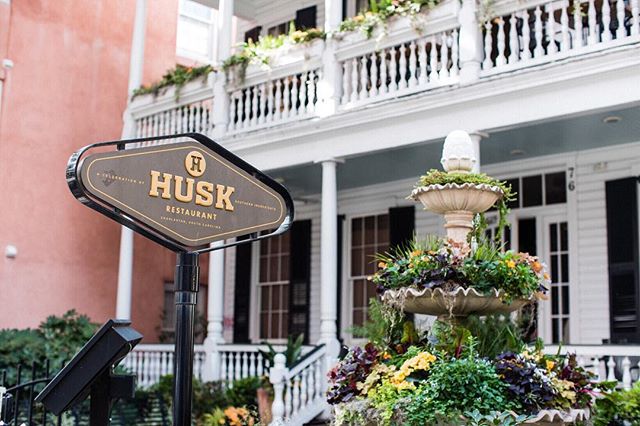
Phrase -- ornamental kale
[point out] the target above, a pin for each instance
(353, 369)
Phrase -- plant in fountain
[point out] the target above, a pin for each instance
(448, 266)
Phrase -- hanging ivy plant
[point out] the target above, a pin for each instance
(176, 77)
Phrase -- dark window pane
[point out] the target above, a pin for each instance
(275, 326)
(264, 246)
(553, 237)
(264, 269)
(358, 317)
(565, 268)
(284, 268)
(532, 191)
(264, 326)
(515, 189)
(273, 268)
(356, 263)
(555, 338)
(565, 299)
(507, 238)
(564, 237)
(554, 300)
(555, 188)
(284, 325)
(370, 230)
(554, 268)
(264, 298)
(275, 297)
(356, 232)
(275, 244)
(527, 236)
(358, 293)
(370, 261)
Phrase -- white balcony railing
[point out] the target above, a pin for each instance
(299, 391)
(237, 361)
(189, 109)
(619, 363)
(409, 58)
(285, 90)
(522, 34)
(150, 362)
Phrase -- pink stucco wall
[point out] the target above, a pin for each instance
(68, 89)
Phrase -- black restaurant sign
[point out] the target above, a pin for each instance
(185, 192)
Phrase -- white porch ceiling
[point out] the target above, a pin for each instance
(534, 140)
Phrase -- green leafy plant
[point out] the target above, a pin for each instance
(292, 351)
(380, 11)
(243, 392)
(458, 386)
(619, 408)
(175, 77)
(57, 339)
(259, 51)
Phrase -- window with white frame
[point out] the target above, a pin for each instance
(559, 268)
(196, 29)
(369, 236)
(273, 287)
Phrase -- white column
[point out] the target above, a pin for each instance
(471, 51)
(476, 137)
(125, 266)
(215, 314)
(329, 261)
(330, 84)
(220, 95)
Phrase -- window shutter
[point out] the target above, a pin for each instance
(242, 296)
(402, 225)
(306, 18)
(253, 34)
(339, 253)
(300, 278)
(622, 245)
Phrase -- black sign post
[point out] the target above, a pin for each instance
(184, 196)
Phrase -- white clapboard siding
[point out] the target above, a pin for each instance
(593, 278)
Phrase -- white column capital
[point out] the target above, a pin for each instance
(330, 160)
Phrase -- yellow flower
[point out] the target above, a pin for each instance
(382, 265)
(536, 266)
(545, 276)
(386, 355)
(416, 253)
(550, 364)
(511, 264)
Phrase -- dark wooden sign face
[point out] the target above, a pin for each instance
(184, 191)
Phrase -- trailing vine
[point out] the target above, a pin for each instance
(177, 77)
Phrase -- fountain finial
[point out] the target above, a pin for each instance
(457, 154)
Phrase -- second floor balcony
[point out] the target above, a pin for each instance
(454, 53)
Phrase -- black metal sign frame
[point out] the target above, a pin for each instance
(187, 268)
(79, 192)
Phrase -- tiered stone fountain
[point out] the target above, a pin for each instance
(459, 204)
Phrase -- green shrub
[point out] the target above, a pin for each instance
(243, 392)
(56, 339)
(619, 408)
